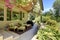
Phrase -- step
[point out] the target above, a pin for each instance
(6, 35)
(15, 35)
(1, 37)
(9, 38)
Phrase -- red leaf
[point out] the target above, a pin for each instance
(7, 1)
(8, 4)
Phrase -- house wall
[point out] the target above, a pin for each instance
(4, 23)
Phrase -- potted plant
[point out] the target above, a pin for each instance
(11, 27)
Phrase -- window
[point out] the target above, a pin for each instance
(20, 15)
(15, 16)
(8, 15)
(23, 15)
(1, 14)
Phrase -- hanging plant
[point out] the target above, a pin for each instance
(24, 4)
(28, 6)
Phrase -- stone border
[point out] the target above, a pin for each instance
(34, 38)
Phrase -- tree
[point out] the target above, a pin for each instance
(56, 4)
(56, 7)
(48, 13)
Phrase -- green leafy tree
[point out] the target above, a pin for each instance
(56, 6)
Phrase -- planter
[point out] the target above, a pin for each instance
(10, 29)
(13, 28)
(28, 26)
(21, 29)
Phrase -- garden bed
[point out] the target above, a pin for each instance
(18, 27)
(19, 31)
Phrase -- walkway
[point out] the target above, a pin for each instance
(29, 34)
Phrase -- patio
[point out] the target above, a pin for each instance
(7, 35)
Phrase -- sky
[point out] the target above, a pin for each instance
(48, 4)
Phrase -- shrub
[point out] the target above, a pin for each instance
(51, 31)
(48, 33)
(45, 18)
(51, 22)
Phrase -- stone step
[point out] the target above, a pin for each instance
(9, 38)
(15, 35)
(6, 35)
(1, 37)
